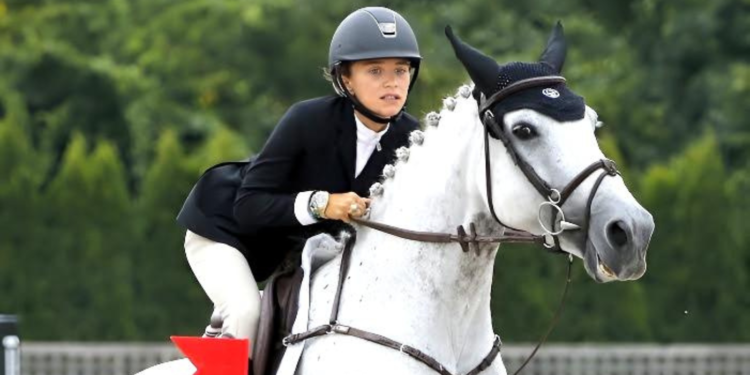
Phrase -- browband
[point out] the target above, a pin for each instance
(515, 87)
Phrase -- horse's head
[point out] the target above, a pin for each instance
(543, 154)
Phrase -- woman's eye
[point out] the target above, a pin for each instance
(375, 71)
(524, 131)
(401, 72)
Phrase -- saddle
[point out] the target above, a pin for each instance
(279, 303)
(277, 313)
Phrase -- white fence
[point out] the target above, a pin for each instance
(594, 359)
(558, 359)
(67, 358)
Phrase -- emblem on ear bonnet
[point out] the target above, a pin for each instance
(551, 93)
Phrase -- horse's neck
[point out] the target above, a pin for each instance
(437, 286)
(433, 190)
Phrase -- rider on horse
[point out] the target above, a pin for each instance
(243, 218)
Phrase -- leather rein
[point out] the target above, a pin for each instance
(470, 240)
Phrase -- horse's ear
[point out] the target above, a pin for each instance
(482, 69)
(477, 95)
(557, 48)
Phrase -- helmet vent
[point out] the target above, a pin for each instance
(388, 29)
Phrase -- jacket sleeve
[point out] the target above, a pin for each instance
(260, 201)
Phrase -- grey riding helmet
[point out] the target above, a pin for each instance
(372, 33)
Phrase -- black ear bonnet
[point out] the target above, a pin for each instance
(553, 100)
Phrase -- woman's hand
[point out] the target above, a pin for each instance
(345, 206)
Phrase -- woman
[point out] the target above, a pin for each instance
(313, 173)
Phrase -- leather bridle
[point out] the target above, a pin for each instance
(555, 199)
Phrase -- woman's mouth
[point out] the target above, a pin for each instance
(391, 97)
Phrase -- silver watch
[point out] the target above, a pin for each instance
(318, 204)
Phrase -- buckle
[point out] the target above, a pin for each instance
(610, 167)
(339, 329)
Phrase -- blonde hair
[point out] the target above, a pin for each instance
(344, 68)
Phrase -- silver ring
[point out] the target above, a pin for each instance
(353, 209)
(546, 244)
(554, 196)
(539, 217)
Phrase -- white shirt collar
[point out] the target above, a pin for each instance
(367, 135)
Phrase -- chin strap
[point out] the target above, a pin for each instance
(370, 114)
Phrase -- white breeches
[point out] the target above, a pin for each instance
(228, 281)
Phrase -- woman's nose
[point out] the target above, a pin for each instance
(391, 80)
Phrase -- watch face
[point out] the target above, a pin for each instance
(316, 200)
(319, 201)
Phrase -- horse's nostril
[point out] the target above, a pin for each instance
(616, 234)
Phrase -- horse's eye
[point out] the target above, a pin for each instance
(524, 131)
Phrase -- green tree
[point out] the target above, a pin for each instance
(170, 300)
(737, 229)
(20, 206)
(87, 294)
(694, 280)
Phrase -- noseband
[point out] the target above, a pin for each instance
(555, 198)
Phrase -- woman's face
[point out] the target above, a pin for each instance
(381, 85)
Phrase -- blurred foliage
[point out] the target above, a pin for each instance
(110, 110)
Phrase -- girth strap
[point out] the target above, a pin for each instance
(393, 344)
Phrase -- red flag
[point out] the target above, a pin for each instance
(212, 356)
